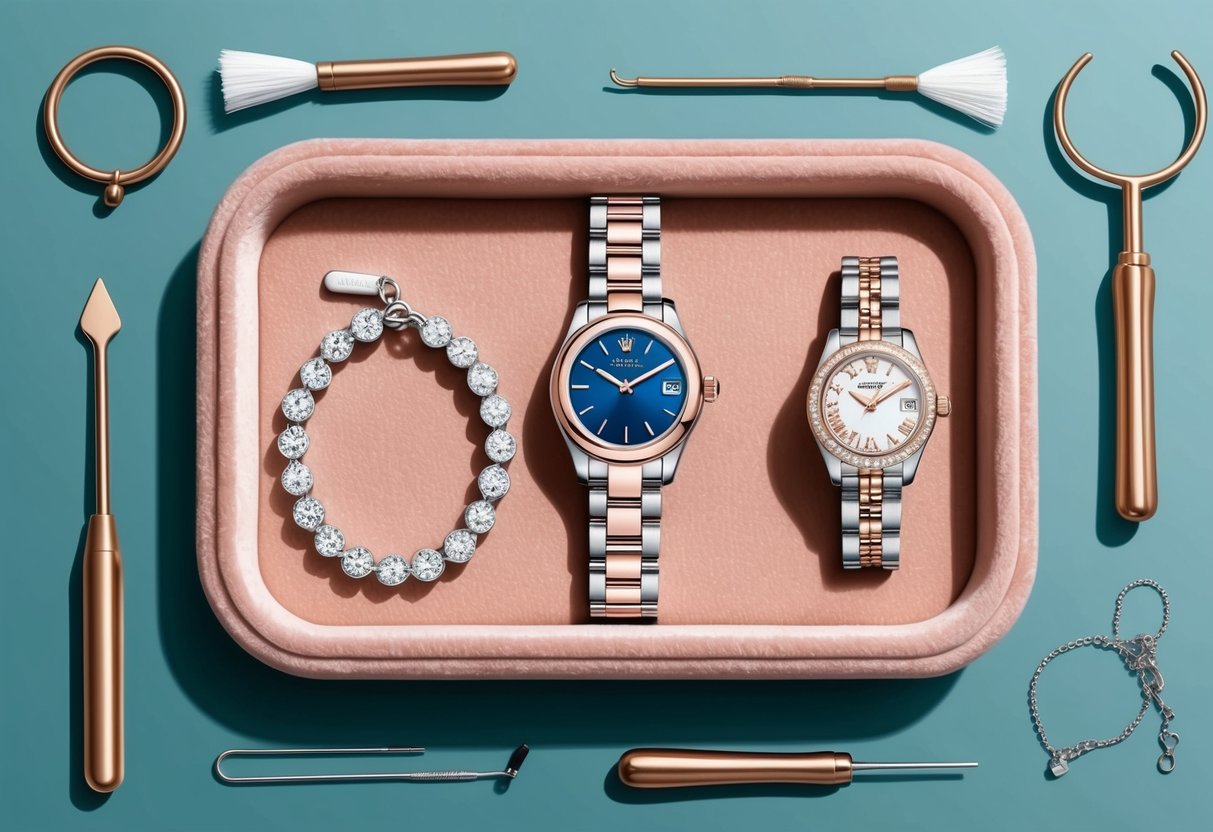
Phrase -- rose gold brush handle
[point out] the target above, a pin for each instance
(1133, 311)
(663, 768)
(481, 68)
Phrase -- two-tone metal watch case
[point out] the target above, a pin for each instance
(910, 463)
(662, 453)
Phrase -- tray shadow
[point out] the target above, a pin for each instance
(259, 704)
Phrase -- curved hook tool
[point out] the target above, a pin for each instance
(1133, 306)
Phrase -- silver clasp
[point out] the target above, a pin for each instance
(1169, 740)
(397, 313)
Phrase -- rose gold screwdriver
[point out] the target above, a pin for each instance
(104, 757)
(667, 768)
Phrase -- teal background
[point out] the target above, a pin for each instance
(192, 692)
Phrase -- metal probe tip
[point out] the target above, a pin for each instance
(857, 766)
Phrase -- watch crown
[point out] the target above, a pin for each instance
(943, 405)
(711, 388)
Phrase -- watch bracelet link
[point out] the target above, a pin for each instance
(625, 538)
(871, 300)
(871, 497)
(871, 517)
(625, 255)
(625, 500)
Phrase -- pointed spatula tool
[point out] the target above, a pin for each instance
(104, 755)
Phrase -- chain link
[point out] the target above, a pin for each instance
(1140, 656)
(397, 313)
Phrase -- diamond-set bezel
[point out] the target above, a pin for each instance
(849, 455)
(293, 443)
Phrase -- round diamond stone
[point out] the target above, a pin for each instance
(315, 374)
(480, 516)
(482, 379)
(367, 325)
(459, 546)
(392, 570)
(337, 345)
(493, 482)
(436, 332)
(462, 352)
(358, 562)
(298, 404)
(495, 410)
(500, 446)
(297, 478)
(427, 565)
(293, 442)
(330, 541)
(309, 513)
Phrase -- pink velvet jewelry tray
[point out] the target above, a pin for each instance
(492, 235)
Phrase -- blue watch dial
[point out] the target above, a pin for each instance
(627, 388)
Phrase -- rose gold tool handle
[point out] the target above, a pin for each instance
(104, 754)
(1133, 311)
(671, 768)
(664, 768)
(481, 68)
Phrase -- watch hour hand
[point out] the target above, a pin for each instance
(867, 403)
(620, 384)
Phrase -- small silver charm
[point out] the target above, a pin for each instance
(367, 326)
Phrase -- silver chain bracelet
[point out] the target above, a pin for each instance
(1140, 655)
(317, 373)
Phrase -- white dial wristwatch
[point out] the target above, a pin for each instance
(872, 407)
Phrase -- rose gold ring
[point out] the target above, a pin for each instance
(115, 180)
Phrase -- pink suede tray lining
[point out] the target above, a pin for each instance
(492, 236)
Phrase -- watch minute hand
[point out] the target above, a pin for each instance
(649, 374)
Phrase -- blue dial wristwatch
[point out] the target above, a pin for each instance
(626, 391)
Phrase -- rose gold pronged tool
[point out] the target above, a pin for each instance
(104, 755)
(975, 85)
(668, 768)
(1133, 305)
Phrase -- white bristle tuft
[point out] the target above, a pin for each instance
(250, 78)
(975, 85)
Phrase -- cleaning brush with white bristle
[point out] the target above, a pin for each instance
(250, 78)
(975, 85)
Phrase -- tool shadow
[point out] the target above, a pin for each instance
(82, 797)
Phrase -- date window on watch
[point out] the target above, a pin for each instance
(671, 387)
(909, 405)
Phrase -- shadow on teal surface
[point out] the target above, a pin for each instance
(221, 120)
(263, 704)
(1110, 528)
(152, 85)
(942, 110)
(82, 797)
(617, 791)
